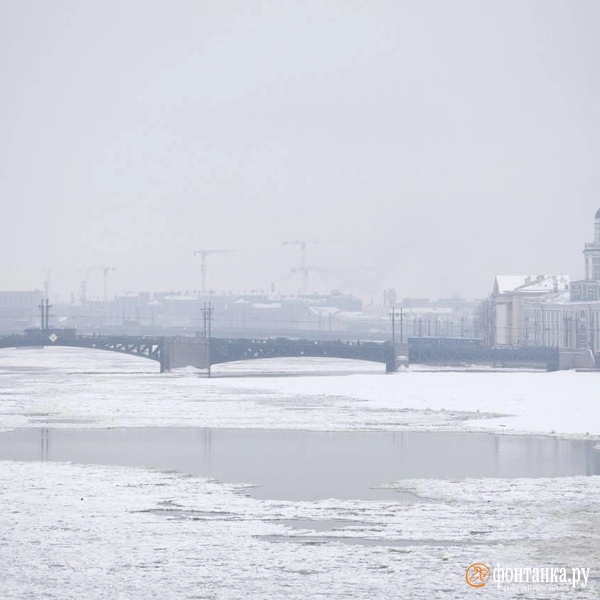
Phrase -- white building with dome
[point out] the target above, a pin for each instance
(551, 310)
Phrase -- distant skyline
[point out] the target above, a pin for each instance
(444, 143)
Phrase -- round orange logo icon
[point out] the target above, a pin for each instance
(477, 575)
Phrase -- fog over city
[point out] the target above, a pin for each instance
(427, 146)
(299, 299)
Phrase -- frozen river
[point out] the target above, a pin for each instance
(97, 499)
(310, 465)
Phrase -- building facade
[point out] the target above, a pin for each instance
(515, 297)
(551, 311)
(19, 310)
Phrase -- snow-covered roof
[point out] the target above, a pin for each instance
(181, 298)
(323, 310)
(262, 305)
(565, 299)
(428, 310)
(508, 283)
(352, 314)
(530, 283)
(550, 283)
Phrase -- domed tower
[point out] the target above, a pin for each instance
(591, 252)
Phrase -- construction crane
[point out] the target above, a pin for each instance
(302, 269)
(106, 271)
(85, 280)
(84, 284)
(203, 254)
(47, 283)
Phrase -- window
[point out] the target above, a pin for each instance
(590, 292)
(576, 292)
(596, 267)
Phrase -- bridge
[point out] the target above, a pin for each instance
(465, 351)
(228, 350)
(180, 351)
(202, 353)
(146, 347)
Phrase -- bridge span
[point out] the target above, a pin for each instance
(173, 352)
(202, 353)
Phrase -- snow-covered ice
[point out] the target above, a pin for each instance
(69, 531)
(103, 389)
(74, 531)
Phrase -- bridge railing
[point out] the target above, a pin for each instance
(299, 341)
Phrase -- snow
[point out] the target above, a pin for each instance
(428, 310)
(512, 283)
(73, 531)
(509, 283)
(110, 390)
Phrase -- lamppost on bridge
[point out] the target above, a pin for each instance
(393, 314)
(207, 311)
(45, 307)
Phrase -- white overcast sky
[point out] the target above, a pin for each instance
(437, 143)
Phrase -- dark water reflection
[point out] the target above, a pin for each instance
(308, 465)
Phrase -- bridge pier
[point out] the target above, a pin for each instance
(398, 357)
(185, 352)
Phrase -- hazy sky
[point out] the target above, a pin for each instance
(450, 141)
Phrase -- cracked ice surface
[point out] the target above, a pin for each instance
(69, 531)
(102, 389)
(74, 531)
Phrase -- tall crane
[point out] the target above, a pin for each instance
(84, 284)
(84, 281)
(106, 271)
(303, 270)
(203, 254)
(47, 283)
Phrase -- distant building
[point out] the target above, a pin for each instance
(512, 294)
(183, 312)
(19, 310)
(591, 252)
(552, 310)
(422, 317)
